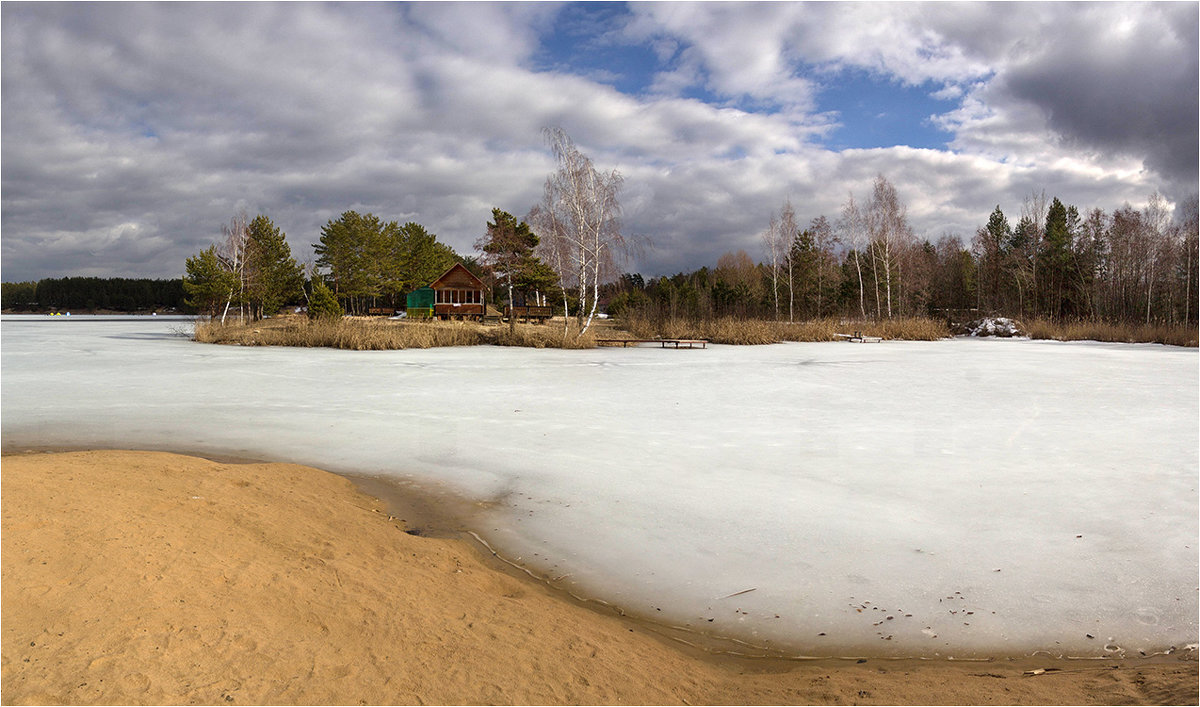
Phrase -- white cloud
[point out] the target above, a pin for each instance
(172, 117)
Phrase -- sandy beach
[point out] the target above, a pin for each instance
(146, 577)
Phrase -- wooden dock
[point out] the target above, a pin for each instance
(663, 343)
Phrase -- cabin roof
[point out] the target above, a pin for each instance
(454, 277)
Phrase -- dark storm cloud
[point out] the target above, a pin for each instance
(1121, 85)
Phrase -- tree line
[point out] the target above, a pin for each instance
(1126, 266)
(361, 262)
(1055, 262)
(118, 294)
(566, 248)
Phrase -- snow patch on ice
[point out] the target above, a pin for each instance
(993, 326)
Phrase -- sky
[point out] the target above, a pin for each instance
(131, 132)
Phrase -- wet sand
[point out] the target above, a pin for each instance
(147, 577)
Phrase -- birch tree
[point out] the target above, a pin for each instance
(1190, 250)
(553, 247)
(825, 240)
(854, 234)
(232, 251)
(773, 245)
(580, 218)
(1156, 218)
(787, 236)
(1027, 238)
(887, 223)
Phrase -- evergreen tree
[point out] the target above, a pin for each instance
(323, 304)
(1055, 259)
(350, 250)
(508, 250)
(274, 278)
(208, 282)
(1021, 261)
(804, 261)
(422, 256)
(19, 294)
(367, 258)
(991, 245)
(537, 277)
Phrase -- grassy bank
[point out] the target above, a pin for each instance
(383, 334)
(732, 330)
(1172, 334)
(366, 334)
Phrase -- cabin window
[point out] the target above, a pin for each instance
(459, 296)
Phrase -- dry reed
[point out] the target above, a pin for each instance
(1129, 333)
(733, 330)
(360, 334)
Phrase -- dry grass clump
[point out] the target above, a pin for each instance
(1127, 333)
(907, 329)
(732, 330)
(541, 336)
(349, 333)
(726, 330)
(816, 330)
(364, 334)
(360, 334)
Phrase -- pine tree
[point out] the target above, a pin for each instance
(991, 243)
(508, 250)
(421, 257)
(367, 258)
(350, 250)
(208, 282)
(1055, 258)
(274, 278)
(323, 304)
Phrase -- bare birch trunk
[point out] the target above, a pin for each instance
(862, 305)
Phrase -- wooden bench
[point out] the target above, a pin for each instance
(858, 337)
(690, 343)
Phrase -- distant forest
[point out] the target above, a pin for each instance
(1054, 262)
(116, 294)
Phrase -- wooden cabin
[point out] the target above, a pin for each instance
(458, 294)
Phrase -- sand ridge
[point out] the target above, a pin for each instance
(147, 577)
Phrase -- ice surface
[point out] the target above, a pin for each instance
(990, 496)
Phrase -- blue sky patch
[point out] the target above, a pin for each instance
(585, 42)
(875, 112)
(872, 111)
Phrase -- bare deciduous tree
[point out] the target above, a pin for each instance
(1156, 218)
(826, 240)
(1189, 224)
(579, 219)
(773, 244)
(854, 233)
(887, 223)
(788, 229)
(233, 251)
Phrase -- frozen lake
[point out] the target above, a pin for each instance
(956, 498)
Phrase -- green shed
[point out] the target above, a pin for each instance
(420, 302)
